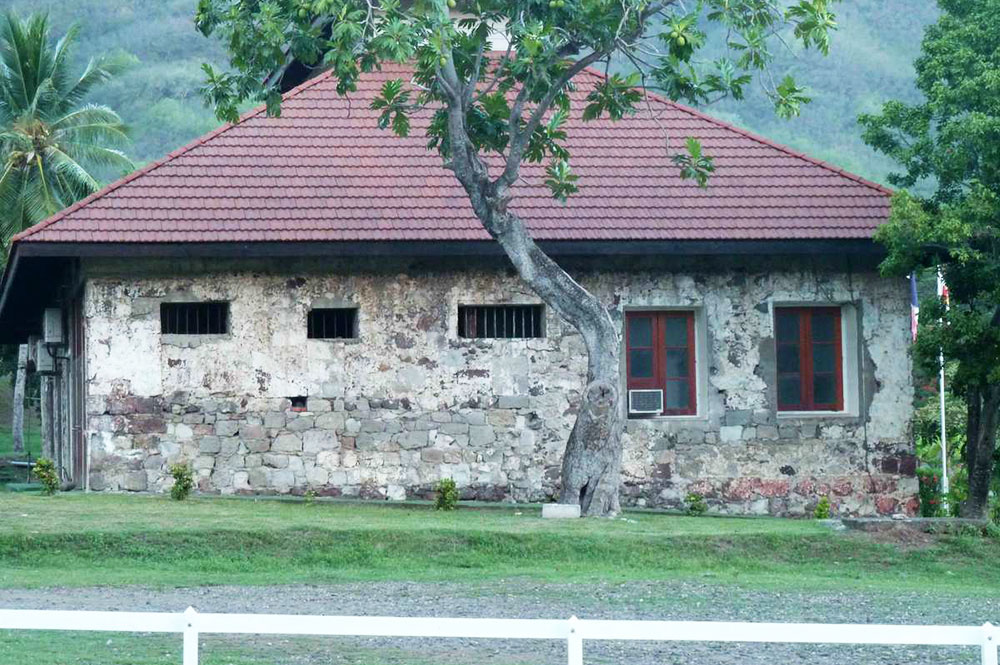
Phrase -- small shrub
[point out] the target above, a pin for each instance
(183, 482)
(447, 495)
(929, 491)
(995, 511)
(309, 497)
(45, 471)
(822, 509)
(695, 504)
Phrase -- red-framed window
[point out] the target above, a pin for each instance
(660, 355)
(810, 359)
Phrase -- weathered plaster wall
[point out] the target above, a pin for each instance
(410, 402)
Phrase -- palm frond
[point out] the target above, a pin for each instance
(61, 59)
(99, 70)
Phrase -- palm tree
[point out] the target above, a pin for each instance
(51, 143)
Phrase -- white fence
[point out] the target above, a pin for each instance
(573, 631)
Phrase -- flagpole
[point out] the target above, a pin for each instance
(942, 292)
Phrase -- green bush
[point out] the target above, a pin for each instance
(929, 491)
(447, 495)
(45, 471)
(995, 511)
(183, 482)
(822, 509)
(695, 504)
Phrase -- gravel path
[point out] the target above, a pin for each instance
(525, 599)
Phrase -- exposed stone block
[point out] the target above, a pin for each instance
(227, 427)
(332, 421)
(275, 461)
(432, 455)
(767, 432)
(411, 440)
(300, 424)
(318, 405)
(274, 420)
(315, 441)
(287, 443)
(513, 402)
(209, 445)
(480, 435)
(257, 445)
(134, 481)
(740, 418)
(730, 433)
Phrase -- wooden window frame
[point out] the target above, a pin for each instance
(806, 369)
(659, 348)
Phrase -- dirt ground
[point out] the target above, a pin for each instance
(525, 599)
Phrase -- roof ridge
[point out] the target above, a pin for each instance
(760, 139)
(169, 157)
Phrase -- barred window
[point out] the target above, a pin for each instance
(333, 323)
(194, 318)
(501, 321)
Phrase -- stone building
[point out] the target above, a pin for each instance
(307, 303)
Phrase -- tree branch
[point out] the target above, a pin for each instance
(520, 137)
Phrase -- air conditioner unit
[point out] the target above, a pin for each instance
(45, 362)
(645, 401)
(52, 326)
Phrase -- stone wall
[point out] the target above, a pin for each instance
(410, 402)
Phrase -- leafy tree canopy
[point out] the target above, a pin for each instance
(49, 138)
(950, 146)
(550, 41)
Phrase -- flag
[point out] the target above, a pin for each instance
(914, 305)
(942, 289)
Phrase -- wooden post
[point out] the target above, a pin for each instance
(17, 422)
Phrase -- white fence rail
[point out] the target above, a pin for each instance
(573, 631)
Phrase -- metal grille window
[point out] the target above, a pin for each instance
(333, 323)
(501, 321)
(194, 318)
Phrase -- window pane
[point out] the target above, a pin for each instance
(787, 326)
(640, 331)
(824, 389)
(641, 364)
(789, 390)
(823, 327)
(676, 395)
(788, 358)
(677, 331)
(677, 362)
(824, 358)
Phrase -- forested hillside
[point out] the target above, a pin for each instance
(869, 63)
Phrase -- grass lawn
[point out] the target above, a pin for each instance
(77, 539)
(32, 441)
(19, 647)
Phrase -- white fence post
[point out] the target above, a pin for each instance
(190, 637)
(574, 643)
(989, 645)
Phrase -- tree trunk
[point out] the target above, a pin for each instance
(17, 422)
(980, 444)
(592, 461)
(591, 468)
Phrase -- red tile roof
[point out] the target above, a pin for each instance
(324, 171)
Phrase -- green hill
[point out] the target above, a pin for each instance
(869, 64)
